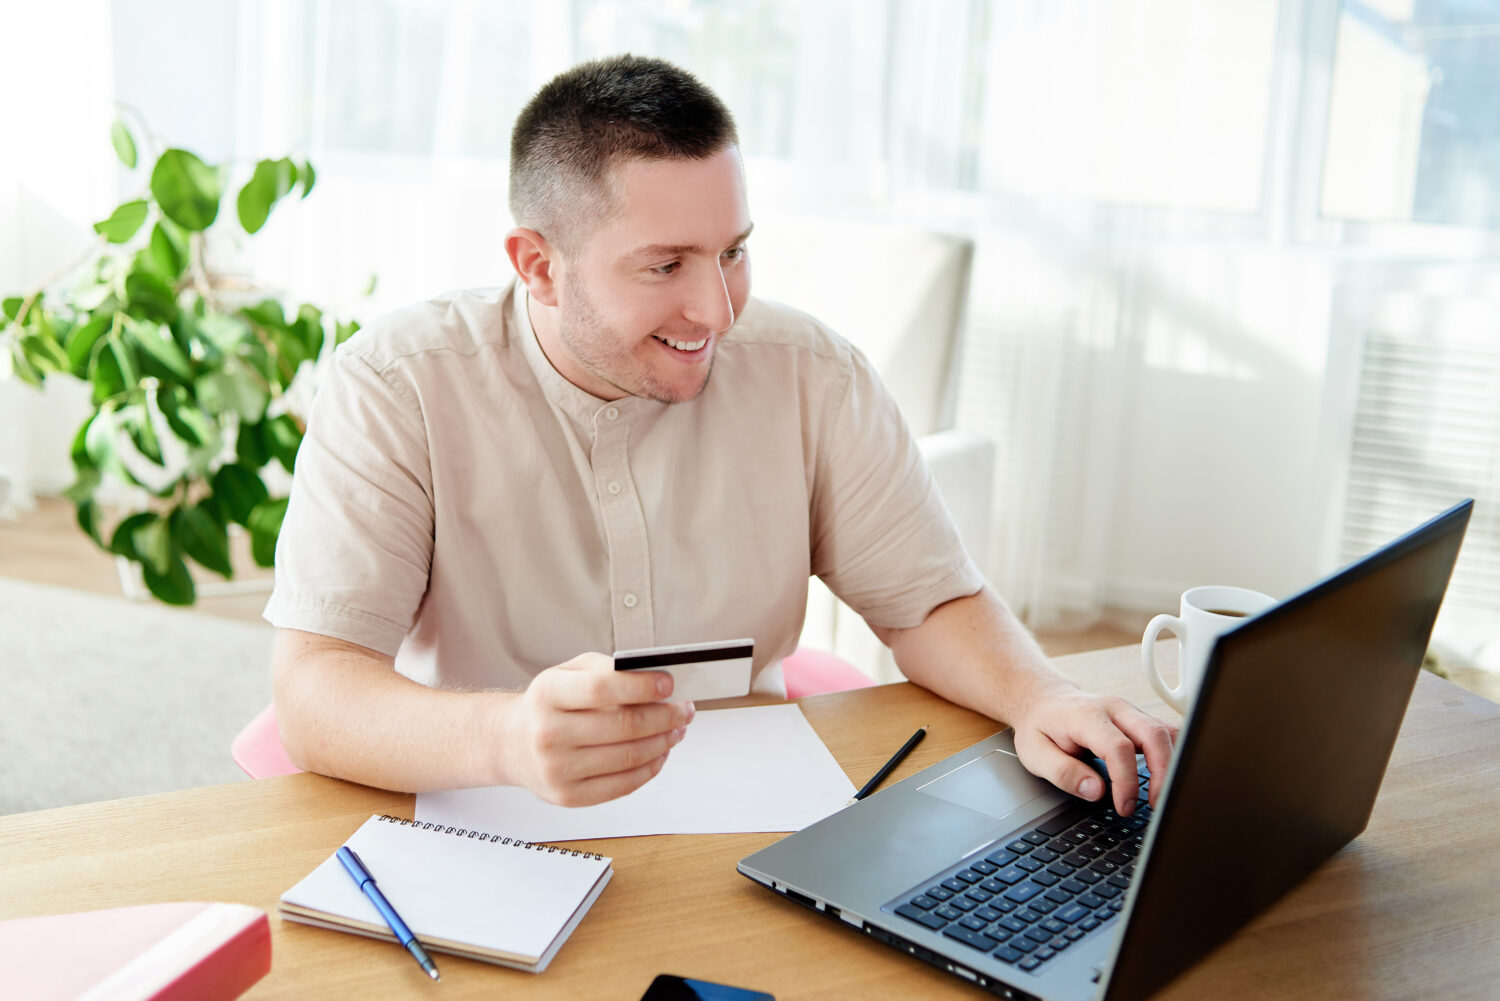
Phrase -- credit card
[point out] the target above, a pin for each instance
(699, 671)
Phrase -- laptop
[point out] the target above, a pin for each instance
(983, 870)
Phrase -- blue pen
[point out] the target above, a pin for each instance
(367, 886)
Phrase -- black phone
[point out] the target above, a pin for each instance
(667, 987)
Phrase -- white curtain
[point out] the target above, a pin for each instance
(1109, 158)
(1187, 216)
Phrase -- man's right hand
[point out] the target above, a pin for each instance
(583, 733)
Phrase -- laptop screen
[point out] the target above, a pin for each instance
(1280, 761)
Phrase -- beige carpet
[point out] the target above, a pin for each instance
(106, 698)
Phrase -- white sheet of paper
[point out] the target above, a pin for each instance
(759, 768)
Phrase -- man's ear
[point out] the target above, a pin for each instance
(535, 262)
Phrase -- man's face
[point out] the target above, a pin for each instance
(642, 306)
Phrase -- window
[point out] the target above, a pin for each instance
(1414, 117)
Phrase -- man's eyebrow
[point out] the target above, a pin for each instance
(678, 249)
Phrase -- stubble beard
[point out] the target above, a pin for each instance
(585, 334)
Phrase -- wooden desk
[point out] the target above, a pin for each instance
(1410, 909)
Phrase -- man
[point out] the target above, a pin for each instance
(621, 449)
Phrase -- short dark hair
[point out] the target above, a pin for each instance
(586, 120)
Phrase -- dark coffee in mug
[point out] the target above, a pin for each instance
(1232, 613)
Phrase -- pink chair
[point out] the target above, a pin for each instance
(814, 672)
(258, 748)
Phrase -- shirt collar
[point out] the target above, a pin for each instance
(583, 408)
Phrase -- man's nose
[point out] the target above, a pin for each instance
(708, 303)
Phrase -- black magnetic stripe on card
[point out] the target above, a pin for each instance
(644, 661)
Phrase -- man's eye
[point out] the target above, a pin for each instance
(667, 269)
(734, 253)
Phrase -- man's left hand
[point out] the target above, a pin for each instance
(1065, 722)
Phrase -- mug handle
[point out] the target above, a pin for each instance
(1171, 623)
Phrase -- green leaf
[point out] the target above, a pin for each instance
(254, 206)
(156, 343)
(122, 543)
(124, 144)
(78, 451)
(149, 298)
(370, 284)
(123, 222)
(81, 490)
(60, 328)
(232, 390)
(286, 175)
(168, 257)
(284, 438)
(238, 490)
(184, 417)
(80, 343)
(251, 446)
(22, 368)
(265, 526)
(272, 179)
(266, 314)
(203, 537)
(125, 357)
(309, 328)
(105, 374)
(184, 333)
(44, 353)
(99, 444)
(187, 189)
(291, 351)
(12, 306)
(136, 420)
(175, 587)
(153, 543)
(255, 357)
(223, 333)
(45, 323)
(309, 178)
(344, 331)
(91, 296)
(88, 513)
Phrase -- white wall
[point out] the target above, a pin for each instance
(54, 184)
(1224, 450)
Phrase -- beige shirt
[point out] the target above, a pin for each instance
(460, 505)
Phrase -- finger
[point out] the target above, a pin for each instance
(1043, 757)
(603, 788)
(1100, 734)
(580, 684)
(1155, 739)
(609, 759)
(617, 724)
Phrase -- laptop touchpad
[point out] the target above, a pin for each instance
(995, 784)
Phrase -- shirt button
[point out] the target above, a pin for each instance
(614, 487)
(628, 601)
(612, 412)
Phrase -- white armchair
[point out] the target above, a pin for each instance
(898, 294)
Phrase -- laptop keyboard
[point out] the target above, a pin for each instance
(1034, 896)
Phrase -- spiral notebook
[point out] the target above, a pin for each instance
(462, 892)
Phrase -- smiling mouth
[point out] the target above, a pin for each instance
(683, 346)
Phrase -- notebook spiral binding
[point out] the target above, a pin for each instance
(497, 839)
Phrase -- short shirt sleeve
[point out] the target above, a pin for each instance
(356, 544)
(883, 540)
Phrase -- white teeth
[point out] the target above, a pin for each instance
(684, 345)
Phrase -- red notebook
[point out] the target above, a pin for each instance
(160, 952)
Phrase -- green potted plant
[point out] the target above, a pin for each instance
(190, 368)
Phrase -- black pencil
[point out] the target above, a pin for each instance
(890, 765)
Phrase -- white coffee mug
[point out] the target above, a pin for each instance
(1206, 612)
